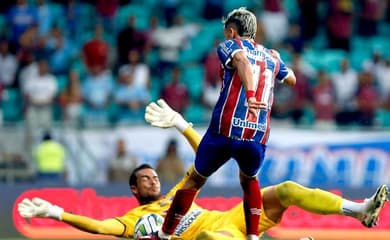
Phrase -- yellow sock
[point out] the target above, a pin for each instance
(312, 200)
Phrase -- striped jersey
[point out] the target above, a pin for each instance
(230, 115)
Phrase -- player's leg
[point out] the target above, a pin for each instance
(313, 200)
(181, 203)
(272, 207)
(249, 156)
(374, 205)
(322, 202)
(252, 205)
(210, 156)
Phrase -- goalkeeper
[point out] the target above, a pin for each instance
(200, 223)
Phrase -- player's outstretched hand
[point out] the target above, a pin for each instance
(39, 208)
(161, 115)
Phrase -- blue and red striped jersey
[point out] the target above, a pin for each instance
(230, 115)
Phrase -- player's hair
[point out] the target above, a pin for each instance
(244, 20)
(133, 175)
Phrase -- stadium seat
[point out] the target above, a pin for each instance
(320, 41)
(292, 8)
(383, 118)
(212, 29)
(57, 112)
(193, 77)
(285, 55)
(311, 56)
(358, 56)
(140, 11)
(204, 39)
(78, 66)
(190, 55)
(152, 58)
(56, 10)
(331, 59)
(62, 82)
(384, 29)
(381, 44)
(191, 12)
(88, 16)
(359, 43)
(149, 3)
(328, 59)
(155, 88)
(195, 113)
(12, 105)
(2, 22)
(202, 42)
(233, 4)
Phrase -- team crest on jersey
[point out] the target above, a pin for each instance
(226, 48)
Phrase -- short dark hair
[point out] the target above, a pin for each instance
(47, 136)
(133, 176)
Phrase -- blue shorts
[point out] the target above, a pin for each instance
(215, 150)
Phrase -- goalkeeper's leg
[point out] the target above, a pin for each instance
(322, 202)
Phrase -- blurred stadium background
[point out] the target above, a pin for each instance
(66, 71)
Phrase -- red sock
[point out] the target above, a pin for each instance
(179, 207)
(252, 205)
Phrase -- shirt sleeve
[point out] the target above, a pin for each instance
(283, 71)
(111, 226)
(128, 222)
(179, 185)
(226, 51)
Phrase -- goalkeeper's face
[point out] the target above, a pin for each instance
(148, 186)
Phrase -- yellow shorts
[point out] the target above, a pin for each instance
(231, 222)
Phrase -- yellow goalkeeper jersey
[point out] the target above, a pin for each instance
(197, 218)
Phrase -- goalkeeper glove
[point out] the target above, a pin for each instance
(161, 115)
(39, 208)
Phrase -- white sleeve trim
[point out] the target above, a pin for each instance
(228, 61)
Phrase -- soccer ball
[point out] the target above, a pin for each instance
(147, 225)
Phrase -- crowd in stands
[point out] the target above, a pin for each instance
(99, 62)
(82, 63)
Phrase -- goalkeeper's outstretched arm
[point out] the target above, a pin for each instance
(157, 114)
(38, 207)
(161, 115)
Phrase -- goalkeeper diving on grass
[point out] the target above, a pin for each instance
(200, 223)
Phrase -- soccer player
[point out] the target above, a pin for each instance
(240, 122)
(199, 223)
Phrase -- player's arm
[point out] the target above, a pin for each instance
(109, 226)
(160, 114)
(285, 74)
(38, 207)
(241, 63)
(290, 79)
